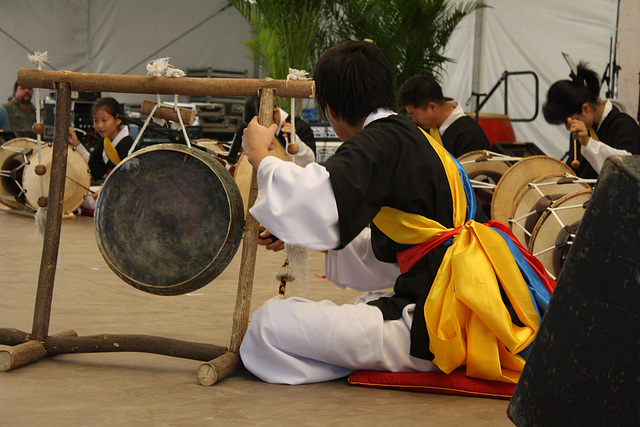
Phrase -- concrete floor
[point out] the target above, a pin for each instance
(149, 389)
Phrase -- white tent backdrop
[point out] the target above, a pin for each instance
(530, 35)
(121, 36)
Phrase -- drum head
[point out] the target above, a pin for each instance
(169, 219)
(483, 166)
(516, 178)
(524, 217)
(550, 240)
(14, 155)
(242, 175)
(75, 186)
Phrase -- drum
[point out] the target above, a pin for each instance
(516, 178)
(554, 232)
(219, 150)
(14, 155)
(539, 194)
(75, 186)
(169, 219)
(485, 170)
(211, 145)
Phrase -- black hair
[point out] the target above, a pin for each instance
(419, 91)
(566, 97)
(15, 87)
(112, 106)
(354, 79)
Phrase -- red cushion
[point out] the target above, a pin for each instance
(456, 383)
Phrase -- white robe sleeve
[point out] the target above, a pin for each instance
(80, 149)
(596, 152)
(356, 266)
(297, 204)
(305, 154)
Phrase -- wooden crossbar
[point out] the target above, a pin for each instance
(89, 82)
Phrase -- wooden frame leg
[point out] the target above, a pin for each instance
(51, 246)
(27, 352)
(220, 367)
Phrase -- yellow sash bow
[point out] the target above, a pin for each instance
(466, 319)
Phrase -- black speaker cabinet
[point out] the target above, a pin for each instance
(584, 366)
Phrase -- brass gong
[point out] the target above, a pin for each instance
(169, 219)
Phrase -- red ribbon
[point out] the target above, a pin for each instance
(408, 258)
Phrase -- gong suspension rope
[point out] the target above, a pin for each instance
(294, 75)
(158, 68)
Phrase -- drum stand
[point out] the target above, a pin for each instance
(220, 361)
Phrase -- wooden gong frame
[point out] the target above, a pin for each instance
(219, 361)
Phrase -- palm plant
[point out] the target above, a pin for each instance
(412, 34)
(284, 33)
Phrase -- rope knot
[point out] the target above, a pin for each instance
(161, 66)
(38, 58)
(174, 72)
(297, 74)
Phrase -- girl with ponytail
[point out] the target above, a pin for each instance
(601, 128)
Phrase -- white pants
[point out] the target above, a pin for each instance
(297, 341)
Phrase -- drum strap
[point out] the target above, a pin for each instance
(112, 154)
(435, 134)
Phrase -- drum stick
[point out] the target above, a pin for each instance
(272, 237)
(90, 82)
(168, 113)
(80, 185)
(575, 164)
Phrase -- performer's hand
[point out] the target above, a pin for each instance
(257, 140)
(579, 130)
(286, 129)
(95, 194)
(73, 138)
(271, 242)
